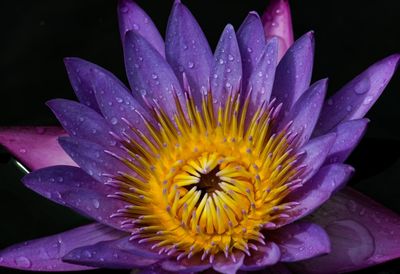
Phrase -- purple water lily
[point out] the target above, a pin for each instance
(226, 162)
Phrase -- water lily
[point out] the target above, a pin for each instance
(223, 162)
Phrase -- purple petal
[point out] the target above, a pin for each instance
(116, 102)
(293, 74)
(72, 187)
(251, 39)
(349, 134)
(132, 17)
(227, 70)
(188, 51)
(92, 158)
(362, 232)
(266, 255)
(262, 77)
(305, 112)
(45, 254)
(300, 241)
(149, 75)
(355, 99)
(316, 151)
(194, 264)
(82, 122)
(109, 254)
(35, 147)
(318, 189)
(228, 265)
(278, 23)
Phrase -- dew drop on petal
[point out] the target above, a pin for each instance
(96, 203)
(190, 65)
(362, 86)
(114, 121)
(23, 262)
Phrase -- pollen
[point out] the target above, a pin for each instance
(208, 180)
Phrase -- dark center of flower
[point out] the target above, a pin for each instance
(209, 182)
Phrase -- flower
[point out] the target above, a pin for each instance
(210, 162)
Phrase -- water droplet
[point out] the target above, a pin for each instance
(23, 262)
(368, 100)
(250, 50)
(349, 108)
(119, 100)
(190, 65)
(143, 92)
(96, 203)
(278, 11)
(221, 61)
(114, 121)
(230, 57)
(124, 9)
(135, 27)
(154, 76)
(362, 86)
(22, 150)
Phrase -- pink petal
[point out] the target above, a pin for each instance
(35, 147)
(277, 22)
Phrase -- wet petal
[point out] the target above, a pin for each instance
(277, 22)
(79, 76)
(251, 39)
(318, 189)
(293, 74)
(150, 76)
(355, 99)
(262, 77)
(45, 254)
(305, 112)
(188, 51)
(132, 17)
(109, 254)
(363, 233)
(266, 255)
(227, 69)
(349, 134)
(300, 241)
(72, 187)
(35, 147)
(228, 265)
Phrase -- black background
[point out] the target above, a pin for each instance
(36, 35)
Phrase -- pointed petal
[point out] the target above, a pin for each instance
(187, 50)
(251, 39)
(266, 255)
(194, 264)
(35, 147)
(109, 254)
(355, 99)
(318, 189)
(116, 102)
(72, 187)
(277, 22)
(262, 77)
(92, 158)
(305, 112)
(228, 265)
(150, 76)
(80, 77)
(132, 17)
(349, 134)
(316, 151)
(363, 233)
(82, 122)
(45, 254)
(227, 69)
(293, 74)
(300, 241)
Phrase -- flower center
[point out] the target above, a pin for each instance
(206, 182)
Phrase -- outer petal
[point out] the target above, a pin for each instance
(227, 70)
(132, 17)
(266, 255)
(79, 75)
(355, 99)
(362, 232)
(251, 41)
(293, 74)
(109, 254)
(72, 187)
(300, 241)
(187, 50)
(349, 134)
(305, 112)
(318, 189)
(278, 23)
(35, 147)
(149, 75)
(262, 77)
(45, 254)
(185, 265)
(228, 265)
